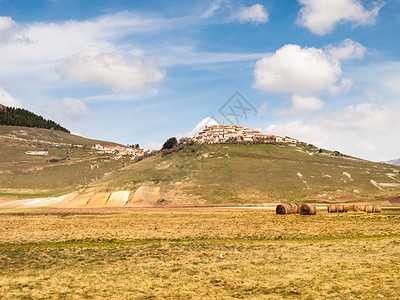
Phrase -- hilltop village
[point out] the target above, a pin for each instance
(222, 134)
(216, 134)
(119, 151)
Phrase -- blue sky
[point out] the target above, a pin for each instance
(326, 72)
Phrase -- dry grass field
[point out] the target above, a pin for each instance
(175, 254)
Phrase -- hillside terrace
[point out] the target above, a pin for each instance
(220, 134)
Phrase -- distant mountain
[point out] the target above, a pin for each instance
(22, 117)
(395, 162)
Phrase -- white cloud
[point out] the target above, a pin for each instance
(186, 55)
(367, 118)
(255, 14)
(344, 86)
(201, 125)
(367, 144)
(115, 71)
(321, 16)
(306, 72)
(347, 49)
(74, 108)
(215, 5)
(7, 100)
(67, 111)
(293, 69)
(364, 130)
(32, 50)
(303, 104)
(6, 23)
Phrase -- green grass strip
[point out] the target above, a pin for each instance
(138, 242)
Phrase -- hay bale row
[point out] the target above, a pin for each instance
(343, 208)
(354, 207)
(295, 208)
(338, 208)
(370, 208)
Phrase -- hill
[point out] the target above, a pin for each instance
(71, 162)
(233, 173)
(22, 117)
(197, 174)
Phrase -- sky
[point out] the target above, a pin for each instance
(324, 71)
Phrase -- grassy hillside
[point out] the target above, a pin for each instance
(198, 174)
(256, 174)
(71, 163)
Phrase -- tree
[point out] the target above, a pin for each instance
(22, 117)
(170, 143)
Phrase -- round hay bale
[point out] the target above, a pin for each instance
(308, 209)
(283, 209)
(340, 208)
(295, 207)
(332, 208)
(369, 208)
(378, 209)
(361, 207)
(354, 208)
(346, 208)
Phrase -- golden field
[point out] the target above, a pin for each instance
(175, 254)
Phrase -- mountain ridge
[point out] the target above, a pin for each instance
(395, 162)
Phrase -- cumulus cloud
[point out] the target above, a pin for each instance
(7, 100)
(119, 73)
(344, 86)
(306, 71)
(293, 69)
(321, 17)
(32, 50)
(254, 14)
(347, 49)
(208, 121)
(6, 23)
(303, 104)
(367, 118)
(357, 130)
